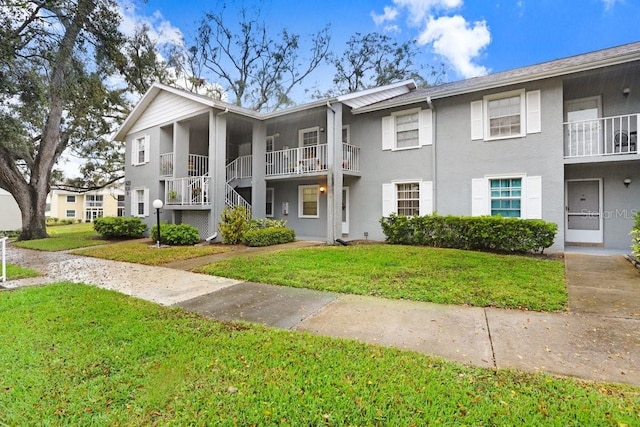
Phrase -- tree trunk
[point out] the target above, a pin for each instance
(33, 219)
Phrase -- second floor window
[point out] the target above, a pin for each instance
(407, 130)
(307, 137)
(505, 116)
(71, 199)
(140, 151)
(95, 200)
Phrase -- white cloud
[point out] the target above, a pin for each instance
(160, 29)
(420, 9)
(458, 42)
(389, 14)
(608, 4)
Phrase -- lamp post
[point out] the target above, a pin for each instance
(157, 204)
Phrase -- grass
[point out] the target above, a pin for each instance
(17, 272)
(408, 272)
(78, 355)
(65, 237)
(143, 252)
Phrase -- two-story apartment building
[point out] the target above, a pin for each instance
(88, 205)
(556, 141)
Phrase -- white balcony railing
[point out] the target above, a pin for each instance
(350, 158)
(299, 160)
(166, 164)
(601, 137)
(197, 165)
(192, 191)
(233, 199)
(240, 168)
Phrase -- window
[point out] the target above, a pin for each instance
(407, 129)
(94, 200)
(71, 199)
(120, 205)
(506, 115)
(506, 197)
(307, 137)
(408, 198)
(346, 134)
(269, 203)
(270, 140)
(71, 213)
(140, 202)
(308, 201)
(140, 151)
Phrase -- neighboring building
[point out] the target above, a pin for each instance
(556, 141)
(86, 206)
(10, 216)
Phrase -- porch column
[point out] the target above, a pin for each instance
(258, 161)
(180, 149)
(217, 166)
(334, 174)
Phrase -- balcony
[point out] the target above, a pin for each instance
(312, 159)
(607, 137)
(191, 191)
(197, 165)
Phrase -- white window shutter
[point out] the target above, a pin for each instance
(146, 202)
(388, 124)
(480, 197)
(533, 193)
(134, 203)
(477, 119)
(147, 143)
(534, 121)
(388, 199)
(425, 134)
(426, 198)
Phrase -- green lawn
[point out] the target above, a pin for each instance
(409, 272)
(65, 237)
(79, 355)
(143, 252)
(17, 272)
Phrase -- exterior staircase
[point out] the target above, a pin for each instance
(239, 168)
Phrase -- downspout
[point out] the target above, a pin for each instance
(331, 235)
(434, 163)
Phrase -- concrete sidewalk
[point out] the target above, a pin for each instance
(602, 345)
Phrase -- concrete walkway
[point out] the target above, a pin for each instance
(590, 341)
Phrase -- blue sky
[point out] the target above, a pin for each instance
(471, 37)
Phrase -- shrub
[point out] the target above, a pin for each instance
(51, 221)
(268, 236)
(267, 223)
(119, 226)
(176, 234)
(635, 233)
(233, 223)
(475, 233)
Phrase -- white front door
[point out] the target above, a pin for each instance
(584, 130)
(345, 210)
(584, 211)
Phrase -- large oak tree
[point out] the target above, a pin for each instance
(58, 60)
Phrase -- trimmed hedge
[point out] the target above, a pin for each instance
(268, 236)
(176, 234)
(491, 233)
(119, 226)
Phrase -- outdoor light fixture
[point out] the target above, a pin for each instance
(322, 189)
(627, 181)
(626, 91)
(157, 204)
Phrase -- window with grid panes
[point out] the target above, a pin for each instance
(140, 201)
(506, 197)
(407, 130)
(408, 198)
(308, 204)
(505, 116)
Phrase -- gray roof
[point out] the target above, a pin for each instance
(573, 64)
